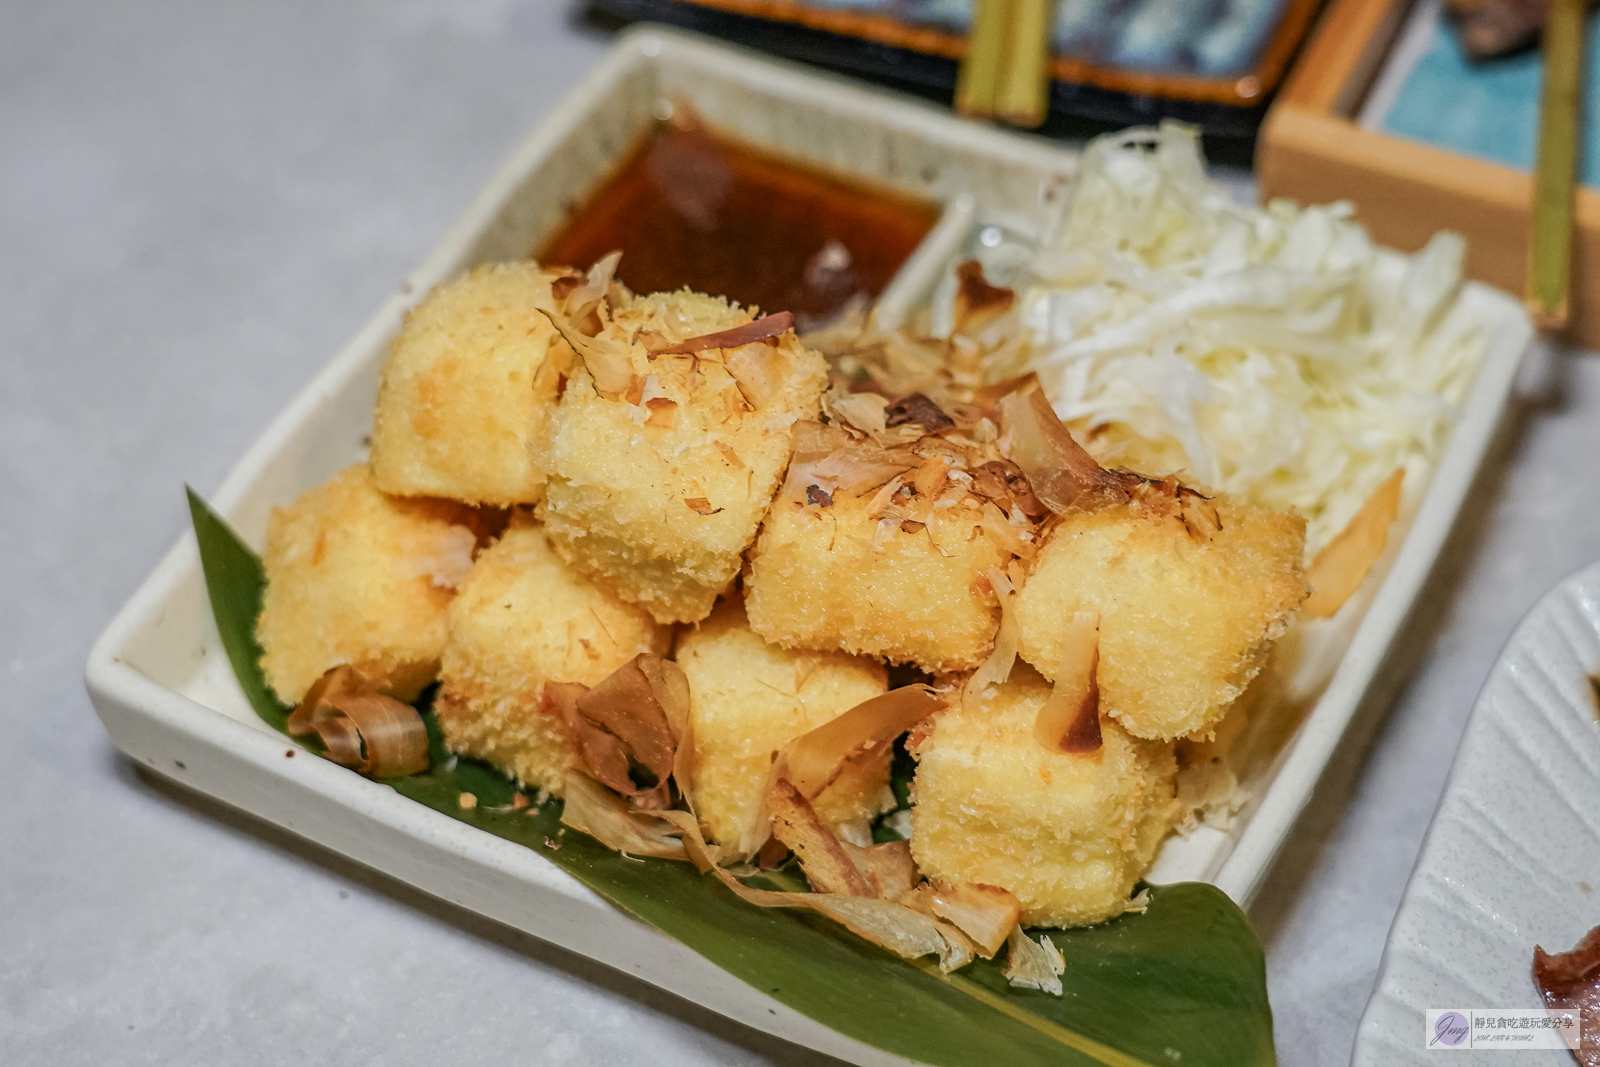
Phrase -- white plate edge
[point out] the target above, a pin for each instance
(1378, 1018)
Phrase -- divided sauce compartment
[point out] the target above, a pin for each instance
(163, 687)
(689, 206)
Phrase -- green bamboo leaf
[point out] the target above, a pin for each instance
(234, 581)
(1183, 983)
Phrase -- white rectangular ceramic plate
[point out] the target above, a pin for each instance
(1512, 857)
(163, 687)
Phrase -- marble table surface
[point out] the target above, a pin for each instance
(198, 204)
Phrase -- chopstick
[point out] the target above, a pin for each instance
(979, 77)
(1006, 71)
(1024, 93)
(1550, 239)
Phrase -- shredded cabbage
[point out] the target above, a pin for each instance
(1274, 353)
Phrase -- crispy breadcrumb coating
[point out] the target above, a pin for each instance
(461, 395)
(357, 577)
(524, 618)
(656, 492)
(748, 699)
(1070, 835)
(1185, 622)
(828, 578)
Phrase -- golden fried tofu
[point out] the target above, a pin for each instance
(837, 576)
(461, 394)
(358, 577)
(524, 618)
(661, 465)
(1069, 835)
(885, 535)
(1186, 620)
(748, 699)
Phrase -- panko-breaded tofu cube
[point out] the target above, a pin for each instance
(1069, 835)
(524, 618)
(748, 699)
(358, 577)
(461, 394)
(662, 466)
(827, 577)
(1185, 622)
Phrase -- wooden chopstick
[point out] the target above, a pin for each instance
(1023, 97)
(1006, 71)
(979, 77)
(1550, 239)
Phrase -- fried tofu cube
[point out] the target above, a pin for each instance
(837, 577)
(748, 699)
(656, 492)
(358, 577)
(524, 618)
(461, 394)
(1069, 835)
(1185, 622)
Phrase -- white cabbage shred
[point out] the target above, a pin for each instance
(1274, 353)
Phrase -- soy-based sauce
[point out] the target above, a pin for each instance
(691, 208)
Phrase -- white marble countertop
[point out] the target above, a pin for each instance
(198, 204)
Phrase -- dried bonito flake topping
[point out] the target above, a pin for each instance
(829, 459)
(637, 715)
(822, 857)
(903, 930)
(1015, 538)
(944, 457)
(607, 817)
(1200, 516)
(758, 370)
(1069, 721)
(363, 727)
(581, 300)
(814, 760)
(813, 440)
(1344, 562)
(997, 668)
(888, 867)
(1167, 498)
(608, 362)
(861, 888)
(917, 408)
(863, 411)
(1034, 964)
(987, 914)
(1061, 473)
(933, 473)
(758, 330)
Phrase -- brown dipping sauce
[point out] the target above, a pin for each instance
(690, 208)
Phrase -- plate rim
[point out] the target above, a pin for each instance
(1376, 1026)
